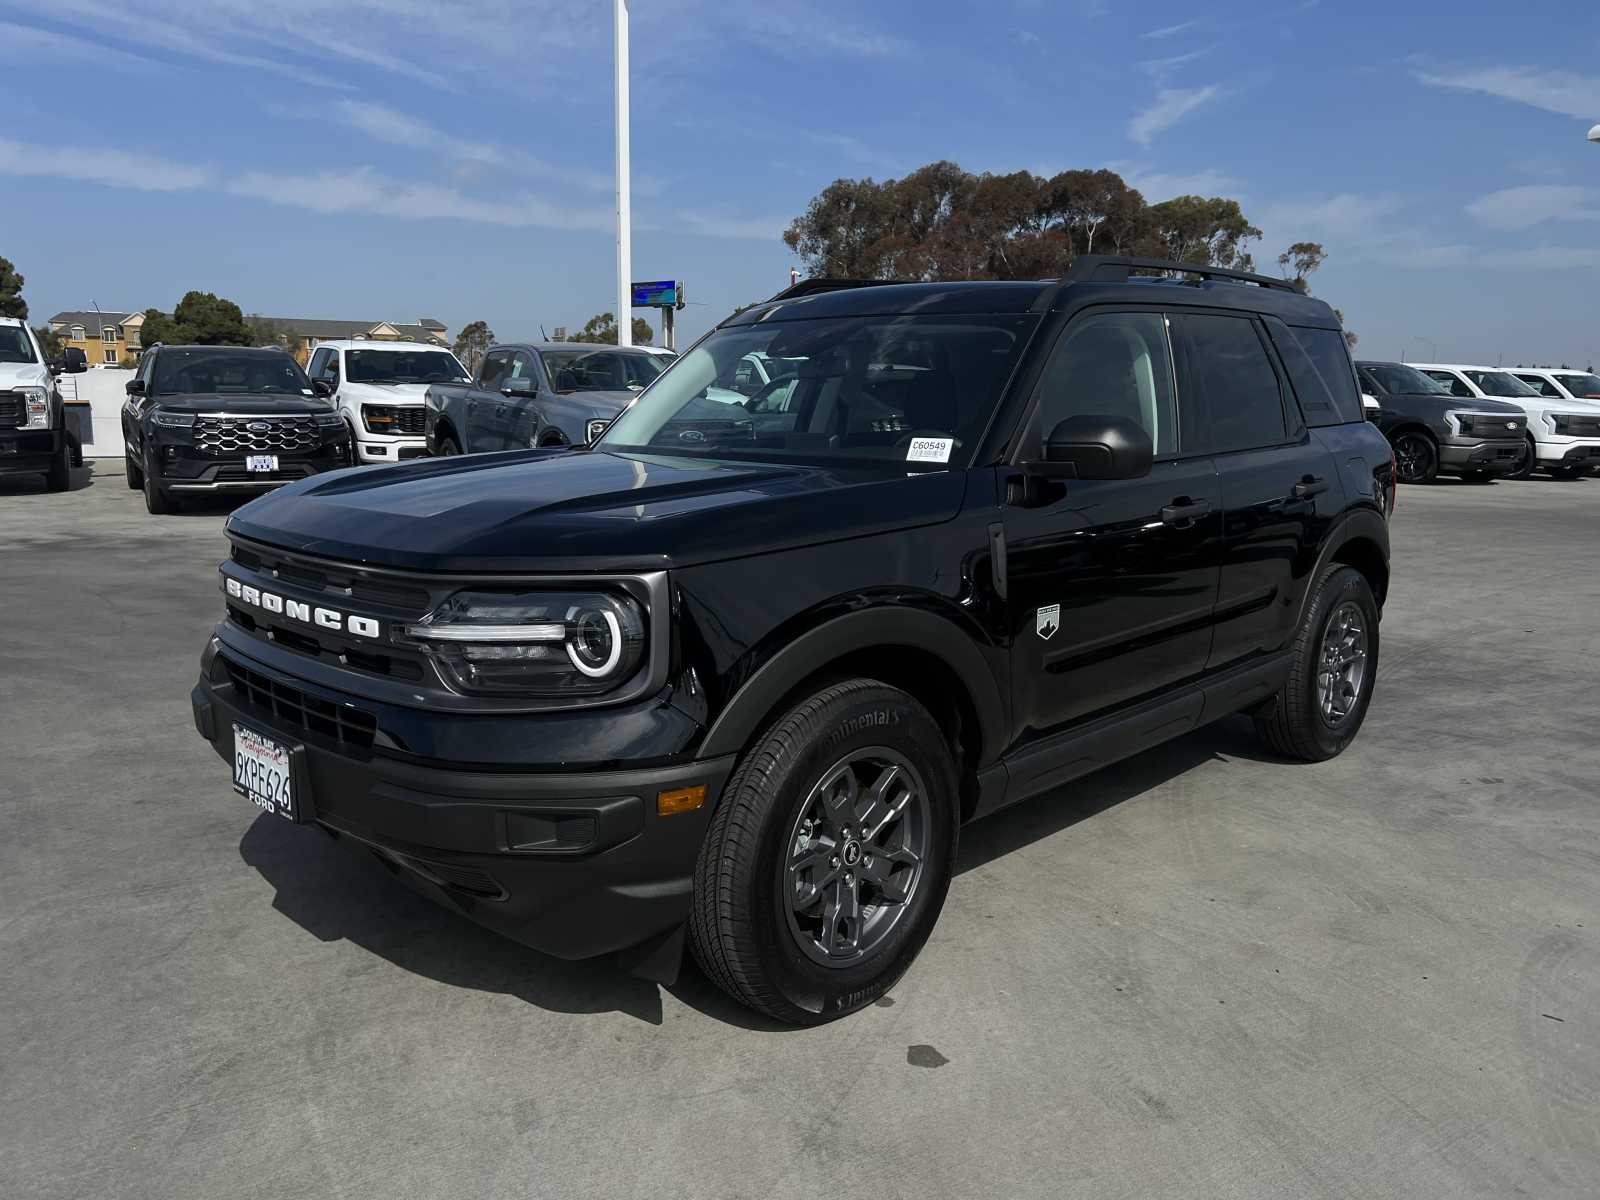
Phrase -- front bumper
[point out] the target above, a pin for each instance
(28, 451)
(1497, 457)
(1559, 451)
(372, 448)
(181, 468)
(574, 864)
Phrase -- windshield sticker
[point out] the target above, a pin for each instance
(932, 450)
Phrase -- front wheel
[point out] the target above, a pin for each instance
(1525, 464)
(448, 447)
(1566, 472)
(1416, 458)
(828, 859)
(1321, 706)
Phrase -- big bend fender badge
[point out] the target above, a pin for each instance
(1046, 621)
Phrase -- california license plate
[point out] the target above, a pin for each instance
(261, 462)
(261, 772)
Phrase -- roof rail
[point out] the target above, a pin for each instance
(1109, 268)
(810, 287)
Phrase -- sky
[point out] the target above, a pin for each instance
(398, 159)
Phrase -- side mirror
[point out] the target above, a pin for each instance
(322, 387)
(1094, 447)
(74, 361)
(134, 387)
(519, 388)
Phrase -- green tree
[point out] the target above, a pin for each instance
(601, 329)
(11, 302)
(200, 319)
(472, 343)
(1302, 259)
(941, 222)
(49, 341)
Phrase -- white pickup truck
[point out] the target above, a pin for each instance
(34, 439)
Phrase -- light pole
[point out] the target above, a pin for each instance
(624, 187)
(1433, 353)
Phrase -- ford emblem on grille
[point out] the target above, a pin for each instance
(1511, 424)
(259, 427)
(691, 435)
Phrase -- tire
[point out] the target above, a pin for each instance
(447, 447)
(1476, 476)
(552, 441)
(1294, 722)
(59, 477)
(745, 928)
(156, 501)
(1525, 465)
(1565, 472)
(1416, 458)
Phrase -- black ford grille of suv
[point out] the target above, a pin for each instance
(1577, 424)
(1491, 425)
(234, 435)
(382, 418)
(13, 411)
(341, 722)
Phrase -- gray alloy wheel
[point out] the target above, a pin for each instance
(1415, 458)
(856, 855)
(1342, 664)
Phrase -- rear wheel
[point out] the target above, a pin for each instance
(1416, 458)
(1321, 706)
(130, 468)
(829, 857)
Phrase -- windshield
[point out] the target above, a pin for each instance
(402, 366)
(1585, 387)
(1405, 381)
(208, 370)
(15, 345)
(599, 370)
(886, 388)
(1498, 383)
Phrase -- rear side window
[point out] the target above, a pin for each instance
(1320, 371)
(1231, 399)
(1541, 385)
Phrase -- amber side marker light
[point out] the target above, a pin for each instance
(680, 800)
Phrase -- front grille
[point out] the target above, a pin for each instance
(337, 580)
(1491, 426)
(1578, 424)
(346, 724)
(13, 411)
(234, 435)
(306, 642)
(383, 418)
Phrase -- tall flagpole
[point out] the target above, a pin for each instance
(624, 187)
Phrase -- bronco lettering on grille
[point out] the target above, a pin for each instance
(322, 618)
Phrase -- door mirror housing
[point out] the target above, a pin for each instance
(519, 388)
(134, 387)
(74, 361)
(322, 387)
(1094, 447)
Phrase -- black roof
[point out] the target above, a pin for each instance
(1107, 279)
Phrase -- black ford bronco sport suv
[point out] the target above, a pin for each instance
(738, 672)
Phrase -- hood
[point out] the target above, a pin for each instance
(601, 403)
(388, 393)
(1464, 403)
(15, 375)
(256, 405)
(583, 511)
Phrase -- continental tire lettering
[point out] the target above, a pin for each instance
(878, 718)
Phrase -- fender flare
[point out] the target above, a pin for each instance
(868, 629)
(1362, 524)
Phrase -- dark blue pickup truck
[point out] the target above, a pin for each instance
(536, 394)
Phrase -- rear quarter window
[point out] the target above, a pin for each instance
(1320, 371)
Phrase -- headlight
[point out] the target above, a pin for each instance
(377, 418)
(593, 430)
(329, 420)
(539, 644)
(1560, 422)
(37, 401)
(171, 419)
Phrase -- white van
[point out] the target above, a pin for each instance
(379, 387)
(1564, 434)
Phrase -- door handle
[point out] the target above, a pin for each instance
(1311, 485)
(1184, 509)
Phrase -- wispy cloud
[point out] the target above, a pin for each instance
(1167, 31)
(1524, 207)
(1563, 92)
(1170, 106)
(21, 44)
(92, 164)
(1162, 68)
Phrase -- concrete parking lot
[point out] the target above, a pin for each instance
(1203, 973)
